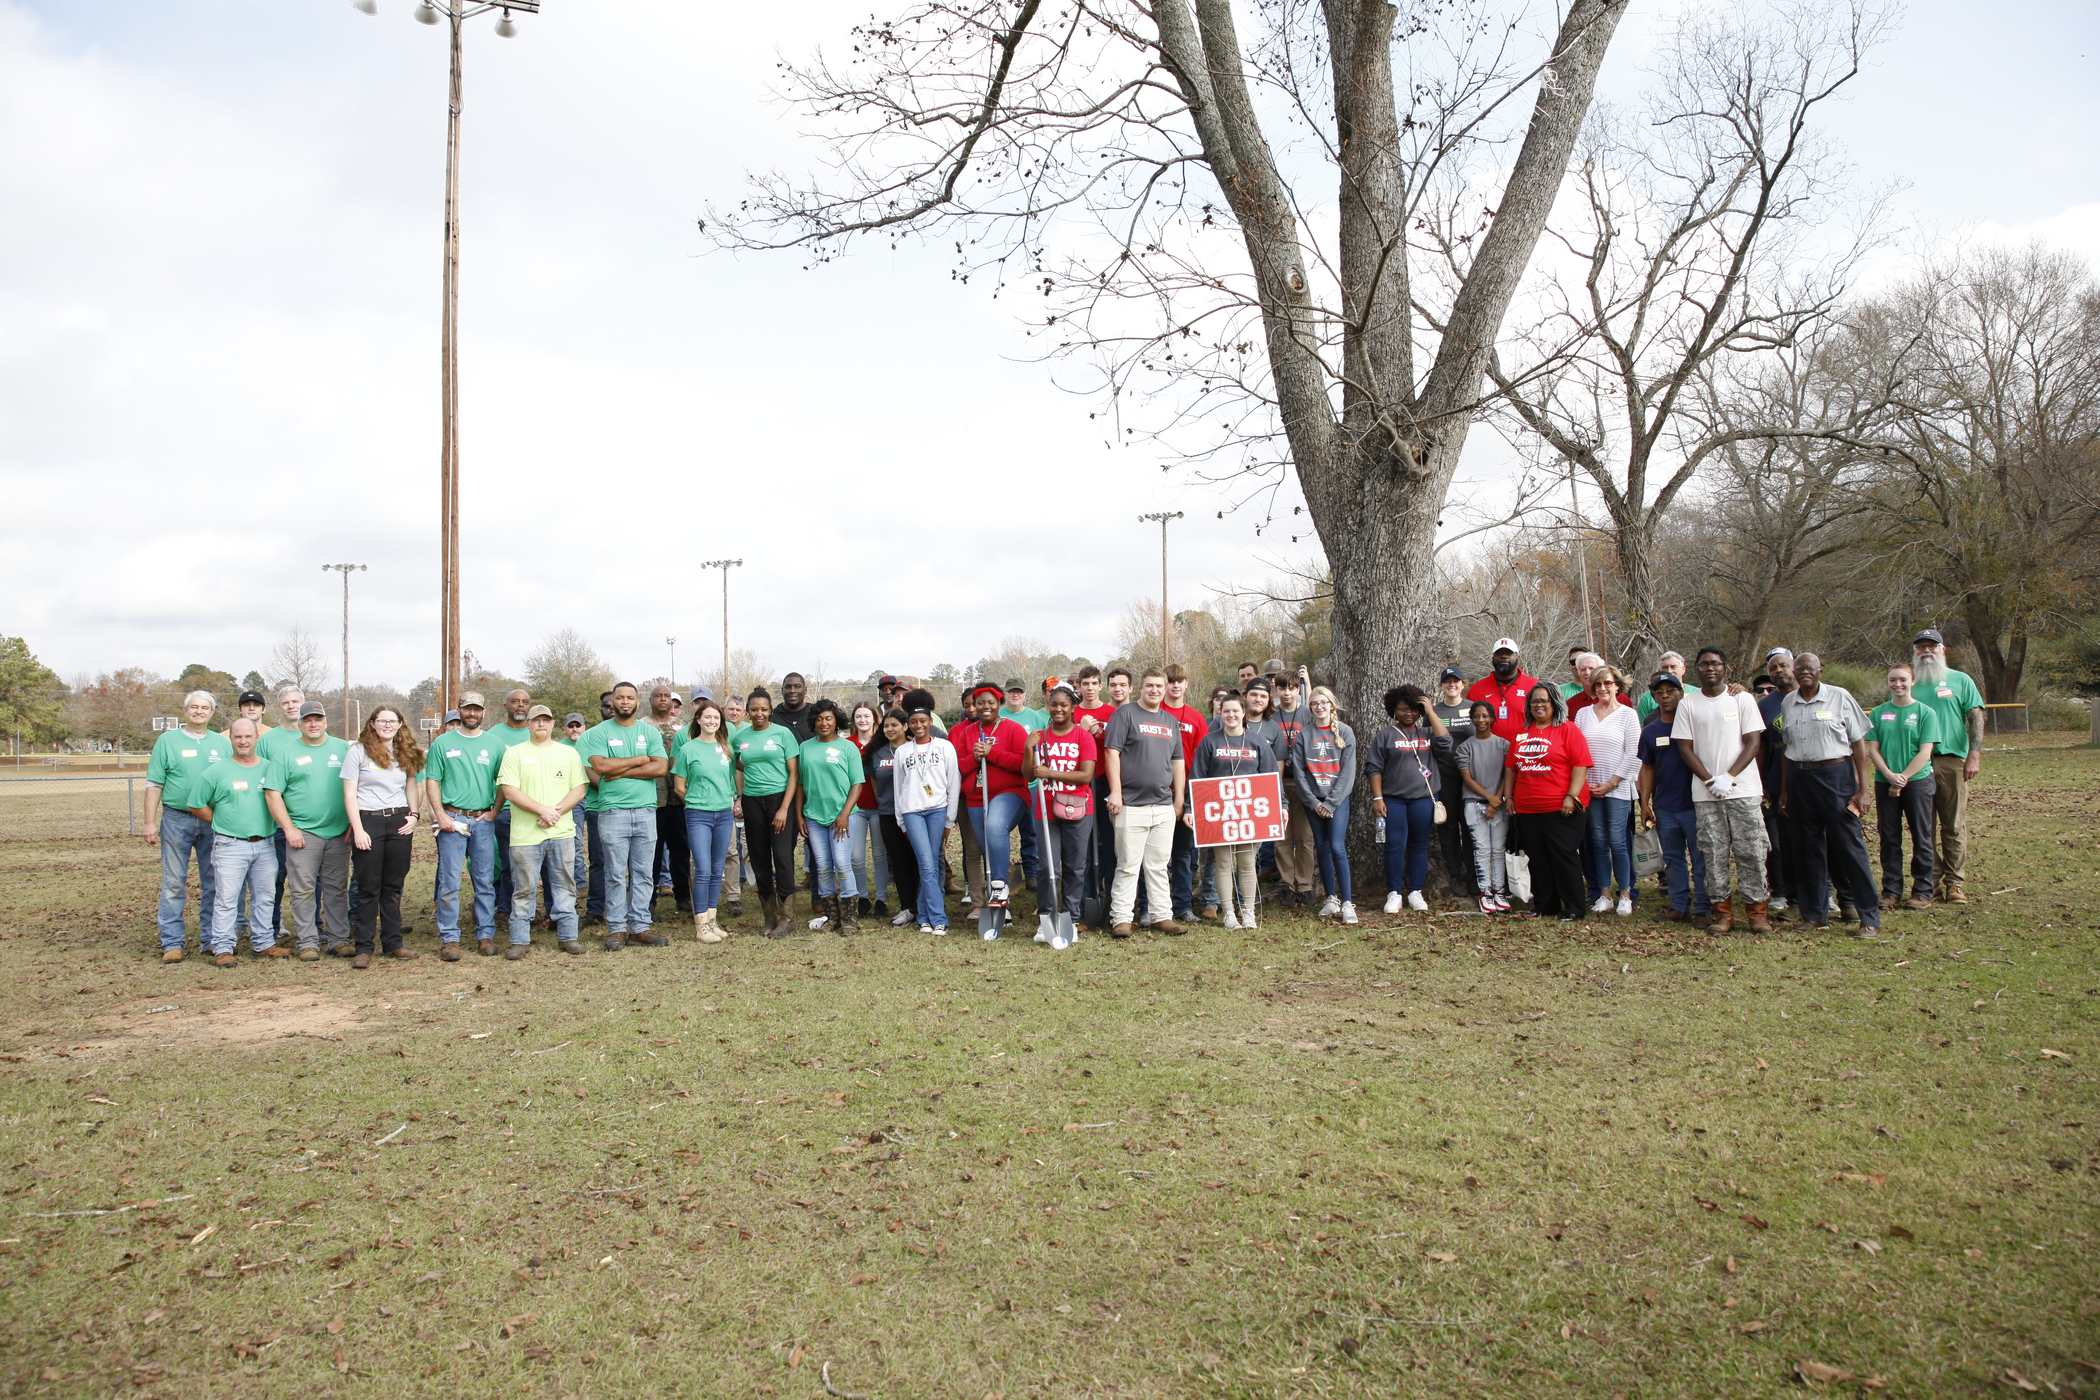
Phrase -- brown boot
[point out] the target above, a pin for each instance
(1954, 893)
(770, 913)
(1724, 917)
(1759, 923)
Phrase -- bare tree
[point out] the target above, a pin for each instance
(567, 675)
(297, 660)
(1183, 162)
(1688, 248)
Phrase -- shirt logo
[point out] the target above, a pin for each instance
(1155, 731)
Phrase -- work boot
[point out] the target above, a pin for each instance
(1758, 922)
(361, 961)
(1724, 917)
(849, 918)
(1954, 894)
(485, 946)
(224, 960)
(648, 938)
(449, 952)
(171, 955)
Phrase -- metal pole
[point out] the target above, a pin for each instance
(448, 466)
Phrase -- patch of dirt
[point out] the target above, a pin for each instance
(244, 1018)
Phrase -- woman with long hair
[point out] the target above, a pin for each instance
(1324, 761)
(703, 773)
(1613, 733)
(383, 799)
(1545, 782)
(829, 788)
(928, 788)
(1407, 791)
(766, 772)
(1061, 757)
(865, 830)
(879, 764)
(1231, 751)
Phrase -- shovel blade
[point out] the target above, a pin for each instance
(1062, 934)
(990, 922)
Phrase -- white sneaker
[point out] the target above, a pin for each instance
(1246, 918)
(1625, 905)
(1415, 900)
(1488, 905)
(1602, 906)
(1778, 903)
(1228, 921)
(1502, 904)
(1348, 913)
(1331, 908)
(901, 918)
(1392, 902)
(929, 928)
(1040, 936)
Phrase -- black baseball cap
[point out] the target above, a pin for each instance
(251, 697)
(1663, 678)
(1452, 673)
(1930, 634)
(573, 718)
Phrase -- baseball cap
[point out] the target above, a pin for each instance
(701, 692)
(1256, 684)
(1508, 644)
(1013, 683)
(473, 697)
(451, 716)
(1273, 666)
(887, 681)
(1663, 678)
(573, 718)
(251, 697)
(1930, 634)
(313, 707)
(539, 712)
(1452, 673)
(1779, 651)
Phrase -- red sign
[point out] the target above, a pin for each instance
(1235, 811)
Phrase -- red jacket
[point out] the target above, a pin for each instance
(1003, 763)
(1508, 701)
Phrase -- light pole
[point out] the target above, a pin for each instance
(1166, 624)
(672, 643)
(725, 565)
(345, 570)
(456, 12)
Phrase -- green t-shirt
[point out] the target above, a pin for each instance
(546, 773)
(508, 736)
(465, 769)
(276, 738)
(1034, 721)
(234, 792)
(709, 773)
(1951, 700)
(1569, 690)
(311, 778)
(829, 769)
(612, 739)
(181, 761)
(1899, 729)
(1644, 707)
(763, 754)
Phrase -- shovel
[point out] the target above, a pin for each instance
(992, 914)
(1054, 928)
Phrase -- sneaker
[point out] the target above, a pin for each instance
(1348, 913)
(1602, 906)
(1392, 902)
(901, 918)
(929, 928)
(516, 952)
(1040, 936)
(1625, 905)
(1230, 921)
(1488, 905)
(1502, 904)
(1415, 900)
(1332, 907)
(1247, 919)
(1778, 903)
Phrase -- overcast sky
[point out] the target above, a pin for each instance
(219, 294)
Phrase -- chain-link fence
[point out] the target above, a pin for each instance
(44, 809)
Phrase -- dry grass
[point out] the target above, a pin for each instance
(1431, 1156)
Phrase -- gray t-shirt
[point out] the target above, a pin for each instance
(1150, 742)
(378, 789)
(1406, 762)
(880, 761)
(1483, 759)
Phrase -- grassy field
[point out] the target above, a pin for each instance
(1430, 1156)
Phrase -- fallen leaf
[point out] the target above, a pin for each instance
(1754, 1223)
(2019, 1380)
(1554, 1232)
(2050, 1055)
(1900, 1233)
(204, 1234)
(1762, 1065)
(1816, 1371)
(1443, 1256)
(1747, 1328)
(1973, 1252)
(795, 1356)
(859, 1279)
(1730, 1265)
(1859, 1177)
(1870, 1246)
(342, 1362)
(1709, 1205)
(335, 1324)
(1826, 1225)
(665, 1041)
(512, 1324)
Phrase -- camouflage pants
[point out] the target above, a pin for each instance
(1733, 830)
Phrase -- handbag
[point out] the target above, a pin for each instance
(1068, 806)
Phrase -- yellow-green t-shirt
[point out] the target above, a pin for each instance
(546, 773)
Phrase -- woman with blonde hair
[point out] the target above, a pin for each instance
(380, 792)
(1613, 734)
(1324, 762)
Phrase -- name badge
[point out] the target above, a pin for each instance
(1663, 742)
(1888, 719)
(1728, 715)
(189, 753)
(1946, 692)
(301, 761)
(240, 786)
(531, 762)
(617, 743)
(1825, 714)
(453, 753)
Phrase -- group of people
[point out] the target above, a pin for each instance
(1751, 792)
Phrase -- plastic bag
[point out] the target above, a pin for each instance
(1517, 866)
(1647, 853)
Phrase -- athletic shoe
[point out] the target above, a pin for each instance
(1415, 900)
(1332, 907)
(1392, 902)
(1625, 905)
(1602, 906)
(1488, 905)
(1348, 913)
(901, 918)
(1040, 936)
(1230, 921)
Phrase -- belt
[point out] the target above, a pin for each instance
(1818, 762)
(248, 838)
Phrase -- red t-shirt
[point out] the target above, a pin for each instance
(1002, 764)
(1100, 714)
(1193, 727)
(1544, 760)
(1580, 701)
(1507, 700)
(866, 801)
(1066, 752)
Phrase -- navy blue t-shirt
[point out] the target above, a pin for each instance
(1673, 781)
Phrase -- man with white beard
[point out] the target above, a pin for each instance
(1957, 760)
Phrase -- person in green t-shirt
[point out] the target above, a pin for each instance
(542, 780)
(1956, 759)
(703, 774)
(766, 755)
(829, 772)
(1902, 734)
(180, 758)
(304, 787)
(229, 798)
(460, 778)
(627, 754)
(1671, 661)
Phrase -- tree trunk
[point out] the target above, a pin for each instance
(2003, 664)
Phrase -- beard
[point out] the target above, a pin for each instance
(1930, 669)
(1506, 671)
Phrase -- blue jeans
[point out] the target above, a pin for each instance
(1005, 813)
(595, 907)
(180, 834)
(1408, 822)
(866, 836)
(1331, 849)
(711, 836)
(1611, 841)
(554, 861)
(831, 860)
(241, 867)
(628, 835)
(1680, 834)
(473, 847)
(1181, 866)
(926, 830)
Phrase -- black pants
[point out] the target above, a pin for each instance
(1452, 837)
(1783, 859)
(381, 872)
(1890, 814)
(1063, 846)
(904, 863)
(1832, 841)
(772, 852)
(1554, 843)
(671, 840)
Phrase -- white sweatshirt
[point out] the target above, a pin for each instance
(926, 776)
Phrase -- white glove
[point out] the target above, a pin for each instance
(1721, 785)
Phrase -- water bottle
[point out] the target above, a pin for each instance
(1380, 837)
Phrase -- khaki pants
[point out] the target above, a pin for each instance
(1950, 808)
(1144, 845)
(1296, 863)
